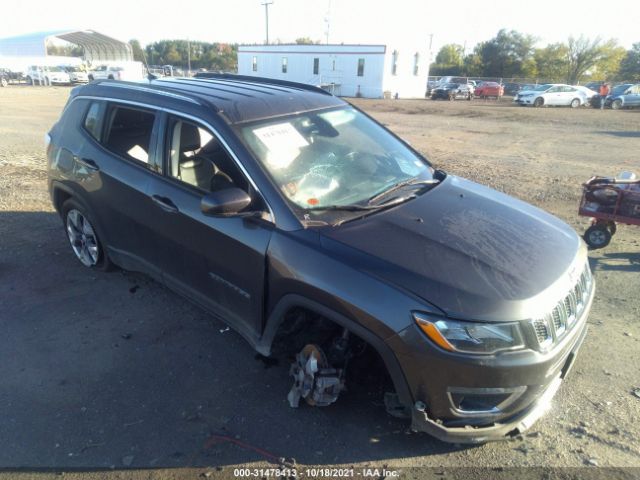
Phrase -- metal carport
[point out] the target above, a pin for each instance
(96, 46)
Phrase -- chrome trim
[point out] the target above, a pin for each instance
(565, 315)
(149, 90)
(195, 119)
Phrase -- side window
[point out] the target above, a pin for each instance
(197, 158)
(128, 134)
(553, 90)
(93, 120)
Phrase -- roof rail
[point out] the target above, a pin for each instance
(252, 79)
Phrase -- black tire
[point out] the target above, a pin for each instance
(110, 77)
(613, 228)
(538, 102)
(103, 262)
(575, 103)
(616, 104)
(90, 78)
(597, 236)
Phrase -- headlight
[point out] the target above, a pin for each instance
(470, 337)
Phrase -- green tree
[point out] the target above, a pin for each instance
(138, 54)
(608, 65)
(582, 56)
(306, 41)
(449, 60)
(508, 54)
(630, 64)
(552, 62)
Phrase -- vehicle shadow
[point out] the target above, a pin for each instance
(112, 370)
(621, 262)
(623, 134)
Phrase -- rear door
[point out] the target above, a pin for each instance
(218, 262)
(115, 157)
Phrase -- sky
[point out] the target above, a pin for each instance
(398, 22)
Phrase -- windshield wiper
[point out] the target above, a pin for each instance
(399, 185)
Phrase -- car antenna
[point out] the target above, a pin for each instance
(150, 76)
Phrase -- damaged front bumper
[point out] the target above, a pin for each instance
(504, 428)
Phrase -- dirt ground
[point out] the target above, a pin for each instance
(111, 371)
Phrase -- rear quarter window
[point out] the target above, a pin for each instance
(94, 120)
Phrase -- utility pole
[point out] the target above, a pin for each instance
(189, 57)
(327, 21)
(266, 4)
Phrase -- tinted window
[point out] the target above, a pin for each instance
(129, 133)
(197, 158)
(93, 121)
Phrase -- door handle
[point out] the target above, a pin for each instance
(165, 203)
(88, 163)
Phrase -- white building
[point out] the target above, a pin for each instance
(347, 70)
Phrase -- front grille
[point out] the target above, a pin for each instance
(554, 325)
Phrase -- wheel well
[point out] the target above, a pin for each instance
(59, 197)
(302, 326)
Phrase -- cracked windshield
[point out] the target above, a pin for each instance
(335, 158)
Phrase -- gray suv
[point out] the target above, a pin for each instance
(311, 229)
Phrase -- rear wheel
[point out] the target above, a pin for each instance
(91, 78)
(597, 236)
(83, 238)
(616, 104)
(538, 102)
(575, 103)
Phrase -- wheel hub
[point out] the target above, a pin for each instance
(314, 379)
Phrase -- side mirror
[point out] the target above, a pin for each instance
(225, 203)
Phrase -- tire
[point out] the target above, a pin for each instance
(597, 236)
(110, 77)
(575, 103)
(29, 81)
(47, 82)
(83, 238)
(90, 78)
(616, 104)
(538, 102)
(613, 228)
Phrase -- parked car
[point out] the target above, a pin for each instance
(431, 84)
(10, 76)
(76, 74)
(588, 93)
(552, 94)
(124, 71)
(626, 95)
(44, 75)
(595, 86)
(453, 91)
(490, 89)
(511, 88)
(305, 224)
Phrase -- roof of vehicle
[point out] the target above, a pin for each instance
(237, 98)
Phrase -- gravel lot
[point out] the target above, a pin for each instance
(113, 371)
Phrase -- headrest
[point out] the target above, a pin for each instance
(189, 138)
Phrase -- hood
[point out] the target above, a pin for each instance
(470, 251)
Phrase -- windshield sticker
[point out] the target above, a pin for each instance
(283, 143)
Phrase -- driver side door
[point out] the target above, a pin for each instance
(219, 262)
